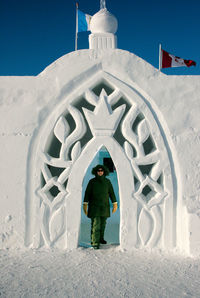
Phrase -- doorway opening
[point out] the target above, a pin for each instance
(113, 222)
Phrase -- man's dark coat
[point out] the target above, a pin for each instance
(97, 194)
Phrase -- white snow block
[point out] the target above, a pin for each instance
(194, 234)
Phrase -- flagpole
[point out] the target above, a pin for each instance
(160, 56)
(76, 35)
(102, 4)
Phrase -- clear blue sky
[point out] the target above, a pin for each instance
(35, 33)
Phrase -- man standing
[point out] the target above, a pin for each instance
(96, 203)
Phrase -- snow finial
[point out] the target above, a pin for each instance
(102, 4)
(103, 26)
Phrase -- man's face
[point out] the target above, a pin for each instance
(100, 172)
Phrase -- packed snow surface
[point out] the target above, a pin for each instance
(108, 272)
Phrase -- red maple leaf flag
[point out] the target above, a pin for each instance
(169, 60)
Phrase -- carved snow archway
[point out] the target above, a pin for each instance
(103, 112)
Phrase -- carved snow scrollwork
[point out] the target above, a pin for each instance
(148, 192)
(140, 153)
(49, 210)
(143, 132)
(91, 97)
(77, 134)
(53, 193)
(64, 175)
(145, 226)
(62, 129)
(57, 224)
(114, 96)
(76, 151)
(128, 132)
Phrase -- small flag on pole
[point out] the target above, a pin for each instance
(169, 60)
(83, 21)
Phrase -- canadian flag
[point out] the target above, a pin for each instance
(169, 60)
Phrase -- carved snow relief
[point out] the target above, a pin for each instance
(128, 130)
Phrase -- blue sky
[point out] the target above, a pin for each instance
(33, 34)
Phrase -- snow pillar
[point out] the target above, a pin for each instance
(102, 41)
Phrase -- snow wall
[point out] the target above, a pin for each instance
(30, 104)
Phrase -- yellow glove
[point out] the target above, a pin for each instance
(85, 208)
(114, 207)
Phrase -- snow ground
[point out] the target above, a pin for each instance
(108, 272)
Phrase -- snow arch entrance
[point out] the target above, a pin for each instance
(111, 114)
(112, 227)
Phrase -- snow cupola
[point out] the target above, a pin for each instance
(103, 26)
(103, 22)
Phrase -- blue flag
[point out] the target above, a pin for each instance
(83, 21)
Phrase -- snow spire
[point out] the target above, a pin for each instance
(102, 4)
(103, 27)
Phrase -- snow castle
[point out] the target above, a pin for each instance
(101, 104)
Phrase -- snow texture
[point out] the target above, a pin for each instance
(108, 272)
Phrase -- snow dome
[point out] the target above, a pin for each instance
(103, 26)
(103, 22)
